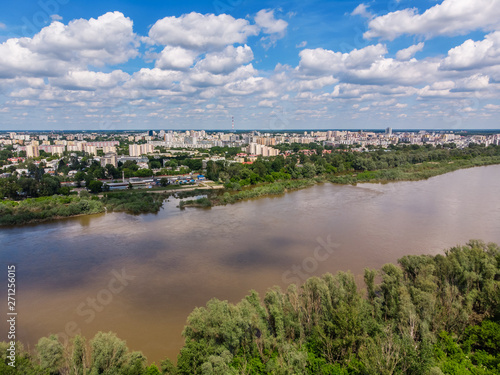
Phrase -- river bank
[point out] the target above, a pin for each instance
(37, 210)
(413, 172)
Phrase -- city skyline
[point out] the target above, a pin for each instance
(273, 66)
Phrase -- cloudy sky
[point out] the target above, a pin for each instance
(72, 64)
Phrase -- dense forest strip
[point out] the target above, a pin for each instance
(414, 172)
(411, 172)
(426, 315)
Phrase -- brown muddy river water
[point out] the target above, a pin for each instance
(171, 262)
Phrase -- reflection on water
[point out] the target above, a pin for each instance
(176, 260)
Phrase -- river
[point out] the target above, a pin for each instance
(140, 276)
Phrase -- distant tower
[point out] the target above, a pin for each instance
(388, 131)
(232, 122)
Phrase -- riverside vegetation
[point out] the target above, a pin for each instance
(400, 163)
(427, 315)
(54, 207)
(305, 166)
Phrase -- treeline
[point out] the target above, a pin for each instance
(398, 162)
(134, 202)
(276, 188)
(104, 354)
(40, 209)
(426, 315)
(413, 172)
(37, 184)
(46, 208)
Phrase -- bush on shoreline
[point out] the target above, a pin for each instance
(33, 210)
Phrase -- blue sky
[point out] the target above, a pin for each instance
(71, 64)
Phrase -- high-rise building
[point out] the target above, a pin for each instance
(138, 150)
(109, 158)
(257, 149)
(109, 149)
(134, 150)
(388, 131)
(147, 148)
(32, 151)
(58, 149)
(92, 150)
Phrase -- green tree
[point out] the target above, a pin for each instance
(153, 370)
(155, 164)
(168, 368)
(49, 185)
(78, 360)
(29, 186)
(9, 188)
(95, 186)
(108, 353)
(79, 177)
(50, 354)
(64, 190)
(309, 170)
(144, 173)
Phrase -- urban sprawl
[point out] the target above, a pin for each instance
(112, 148)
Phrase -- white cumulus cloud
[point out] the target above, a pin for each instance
(109, 39)
(87, 80)
(270, 25)
(275, 28)
(362, 10)
(474, 54)
(201, 32)
(408, 53)
(319, 60)
(472, 83)
(451, 17)
(227, 60)
(494, 107)
(176, 58)
(154, 79)
(266, 103)
(18, 61)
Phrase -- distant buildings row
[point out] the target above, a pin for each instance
(259, 149)
(138, 150)
(34, 148)
(253, 143)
